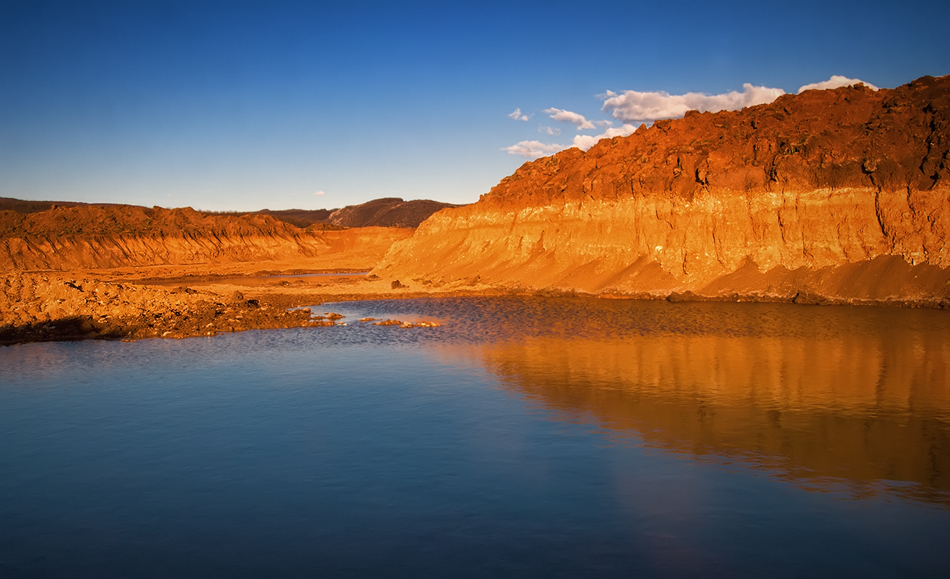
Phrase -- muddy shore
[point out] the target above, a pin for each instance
(181, 302)
(50, 306)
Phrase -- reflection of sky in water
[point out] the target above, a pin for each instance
(562, 437)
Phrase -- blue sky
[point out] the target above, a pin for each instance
(250, 105)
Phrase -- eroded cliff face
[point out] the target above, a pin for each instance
(843, 193)
(96, 237)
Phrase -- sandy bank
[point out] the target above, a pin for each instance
(141, 303)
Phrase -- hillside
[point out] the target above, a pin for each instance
(387, 212)
(109, 236)
(837, 194)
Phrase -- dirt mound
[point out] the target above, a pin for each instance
(824, 179)
(43, 308)
(388, 212)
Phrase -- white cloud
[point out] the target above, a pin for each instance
(584, 142)
(533, 149)
(518, 115)
(549, 130)
(835, 81)
(318, 193)
(633, 105)
(570, 117)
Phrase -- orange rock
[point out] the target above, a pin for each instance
(97, 237)
(813, 193)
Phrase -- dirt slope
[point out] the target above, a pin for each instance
(96, 237)
(840, 193)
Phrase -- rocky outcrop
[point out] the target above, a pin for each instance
(839, 193)
(388, 212)
(39, 308)
(93, 237)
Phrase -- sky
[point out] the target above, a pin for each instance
(239, 106)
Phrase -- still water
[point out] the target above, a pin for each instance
(523, 437)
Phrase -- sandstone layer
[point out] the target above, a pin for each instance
(840, 195)
(127, 272)
(97, 237)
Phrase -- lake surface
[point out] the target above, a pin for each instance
(523, 437)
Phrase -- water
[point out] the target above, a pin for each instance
(524, 437)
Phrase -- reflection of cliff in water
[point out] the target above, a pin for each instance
(869, 410)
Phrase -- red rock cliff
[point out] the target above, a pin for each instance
(843, 193)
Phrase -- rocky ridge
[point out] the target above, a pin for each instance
(839, 195)
(99, 236)
(387, 212)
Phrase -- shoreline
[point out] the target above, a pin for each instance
(118, 305)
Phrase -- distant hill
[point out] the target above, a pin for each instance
(299, 217)
(24, 206)
(313, 219)
(388, 212)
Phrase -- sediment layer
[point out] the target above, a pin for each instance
(97, 237)
(842, 194)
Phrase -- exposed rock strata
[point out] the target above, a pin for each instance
(95, 237)
(840, 193)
